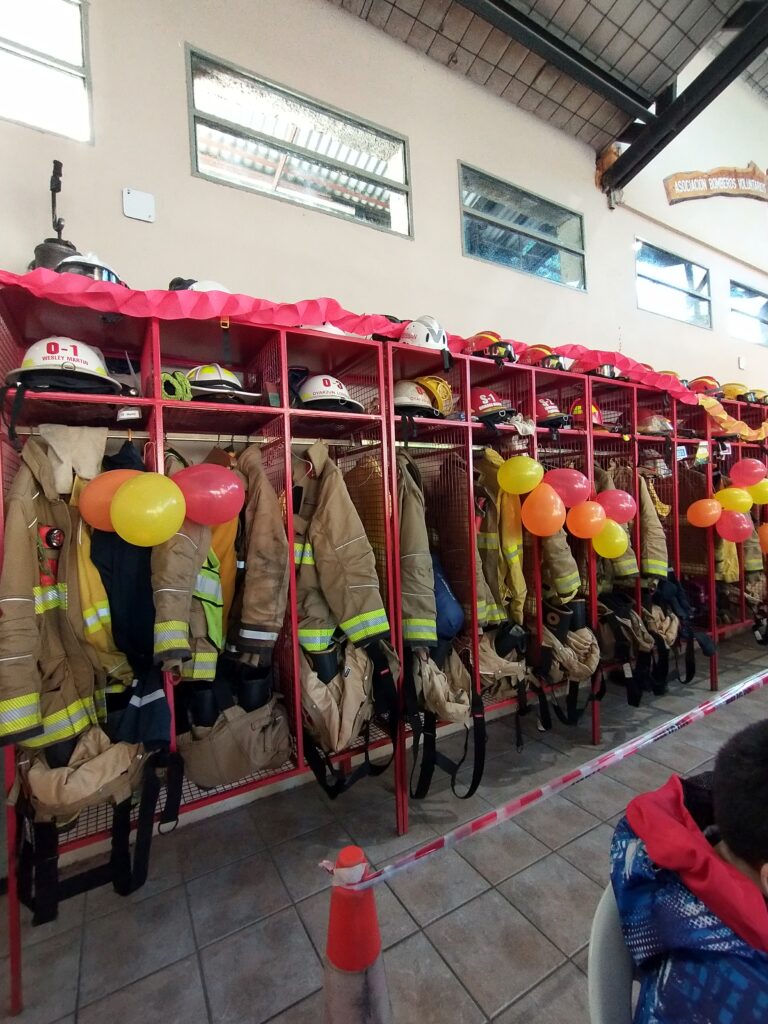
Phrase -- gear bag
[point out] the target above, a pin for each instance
(239, 743)
(624, 638)
(342, 689)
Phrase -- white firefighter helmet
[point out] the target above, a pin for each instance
(209, 286)
(322, 391)
(425, 332)
(212, 381)
(440, 390)
(62, 364)
(411, 399)
(327, 328)
(88, 265)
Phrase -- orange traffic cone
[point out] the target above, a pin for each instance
(355, 988)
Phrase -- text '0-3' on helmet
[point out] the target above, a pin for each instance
(212, 382)
(739, 393)
(411, 399)
(425, 332)
(64, 364)
(328, 394)
(541, 355)
(88, 265)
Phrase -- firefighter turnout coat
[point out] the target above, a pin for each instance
(417, 580)
(47, 679)
(337, 583)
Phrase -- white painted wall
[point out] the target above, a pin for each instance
(731, 132)
(275, 250)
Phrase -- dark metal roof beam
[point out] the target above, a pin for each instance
(717, 76)
(513, 23)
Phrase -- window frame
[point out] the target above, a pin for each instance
(78, 70)
(529, 233)
(638, 244)
(194, 116)
(732, 310)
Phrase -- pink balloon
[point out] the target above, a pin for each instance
(619, 506)
(747, 472)
(214, 494)
(735, 526)
(572, 486)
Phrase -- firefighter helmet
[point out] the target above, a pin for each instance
(603, 370)
(577, 414)
(181, 284)
(487, 407)
(654, 423)
(212, 382)
(706, 386)
(88, 265)
(440, 392)
(674, 373)
(548, 414)
(411, 399)
(739, 393)
(425, 332)
(63, 364)
(327, 393)
(760, 396)
(492, 346)
(541, 355)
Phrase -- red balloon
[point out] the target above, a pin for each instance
(735, 526)
(619, 506)
(96, 497)
(572, 486)
(747, 472)
(214, 494)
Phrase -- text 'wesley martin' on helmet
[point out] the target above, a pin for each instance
(328, 394)
(63, 364)
(212, 382)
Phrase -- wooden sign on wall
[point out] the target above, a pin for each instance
(748, 182)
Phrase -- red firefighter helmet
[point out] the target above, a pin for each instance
(486, 406)
(548, 414)
(603, 370)
(577, 414)
(706, 386)
(491, 345)
(541, 355)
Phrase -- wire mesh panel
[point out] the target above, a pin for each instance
(339, 363)
(614, 405)
(362, 465)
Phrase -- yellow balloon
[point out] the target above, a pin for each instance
(147, 510)
(759, 492)
(612, 541)
(735, 499)
(520, 474)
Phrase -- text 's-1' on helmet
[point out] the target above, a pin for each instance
(487, 407)
(440, 392)
(548, 414)
(327, 393)
(212, 382)
(89, 265)
(411, 399)
(426, 332)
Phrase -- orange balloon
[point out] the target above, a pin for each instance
(704, 512)
(96, 497)
(762, 536)
(586, 519)
(543, 511)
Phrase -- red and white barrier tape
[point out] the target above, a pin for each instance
(521, 803)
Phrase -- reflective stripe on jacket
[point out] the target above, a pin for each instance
(417, 581)
(339, 586)
(47, 680)
(501, 540)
